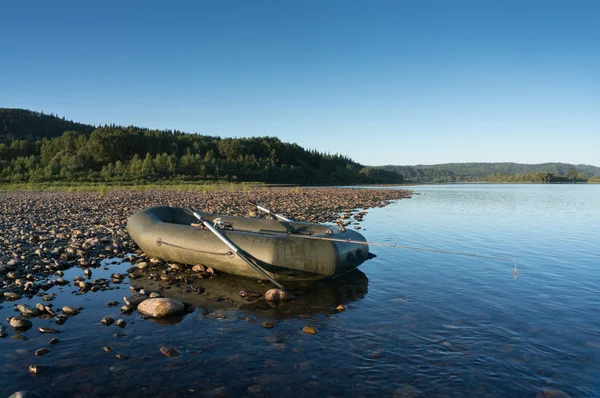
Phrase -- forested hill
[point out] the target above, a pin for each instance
(456, 172)
(35, 150)
(22, 124)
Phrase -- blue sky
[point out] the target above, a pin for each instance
(384, 82)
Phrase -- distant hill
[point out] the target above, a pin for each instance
(449, 172)
(35, 147)
(22, 124)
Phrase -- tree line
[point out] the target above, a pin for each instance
(130, 154)
(496, 172)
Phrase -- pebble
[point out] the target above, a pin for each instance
(53, 340)
(276, 295)
(199, 268)
(552, 393)
(170, 352)
(121, 356)
(42, 351)
(11, 296)
(107, 349)
(43, 329)
(268, 324)
(120, 323)
(341, 308)
(107, 321)
(70, 311)
(135, 299)
(20, 323)
(37, 369)
(126, 309)
(309, 330)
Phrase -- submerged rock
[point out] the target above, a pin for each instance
(42, 351)
(309, 330)
(276, 295)
(161, 307)
(170, 352)
(43, 329)
(37, 369)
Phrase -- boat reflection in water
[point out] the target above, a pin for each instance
(223, 293)
(315, 297)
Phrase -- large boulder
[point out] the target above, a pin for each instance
(161, 307)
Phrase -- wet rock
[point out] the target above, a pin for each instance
(156, 262)
(249, 294)
(27, 311)
(142, 265)
(112, 303)
(53, 340)
(20, 323)
(107, 349)
(11, 296)
(276, 295)
(19, 336)
(121, 356)
(43, 329)
(127, 309)
(23, 394)
(120, 323)
(15, 262)
(268, 324)
(255, 389)
(170, 352)
(37, 369)
(199, 268)
(42, 351)
(70, 311)
(309, 330)
(155, 295)
(107, 321)
(177, 267)
(161, 307)
(135, 299)
(341, 308)
(552, 393)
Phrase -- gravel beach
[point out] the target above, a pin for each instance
(44, 233)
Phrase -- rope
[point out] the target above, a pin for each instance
(395, 246)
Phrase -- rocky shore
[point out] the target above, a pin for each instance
(45, 233)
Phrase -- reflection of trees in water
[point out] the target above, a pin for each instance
(315, 297)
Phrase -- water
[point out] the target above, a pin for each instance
(417, 323)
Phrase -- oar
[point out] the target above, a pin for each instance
(282, 218)
(232, 246)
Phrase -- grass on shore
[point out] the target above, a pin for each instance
(103, 188)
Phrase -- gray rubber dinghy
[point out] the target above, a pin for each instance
(284, 250)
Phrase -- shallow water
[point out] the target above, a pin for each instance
(417, 323)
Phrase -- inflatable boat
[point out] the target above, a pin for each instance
(281, 250)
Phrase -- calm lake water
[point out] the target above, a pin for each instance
(417, 323)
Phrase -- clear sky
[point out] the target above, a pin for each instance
(384, 82)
